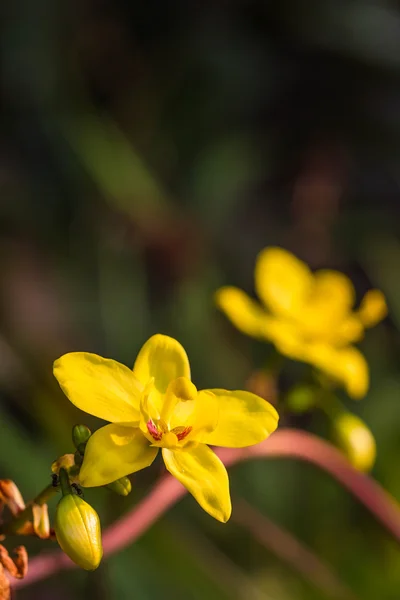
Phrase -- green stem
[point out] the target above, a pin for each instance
(329, 403)
(45, 495)
(19, 520)
(64, 482)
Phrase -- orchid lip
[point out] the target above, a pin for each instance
(181, 434)
(157, 433)
(153, 430)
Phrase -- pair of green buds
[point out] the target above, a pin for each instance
(77, 524)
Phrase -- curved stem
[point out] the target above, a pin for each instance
(285, 443)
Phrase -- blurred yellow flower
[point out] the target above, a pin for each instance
(157, 406)
(307, 316)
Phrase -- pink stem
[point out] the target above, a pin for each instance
(289, 443)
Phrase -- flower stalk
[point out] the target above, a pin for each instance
(64, 482)
(16, 524)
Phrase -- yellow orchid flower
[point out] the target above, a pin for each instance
(307, 316)
(155, 406)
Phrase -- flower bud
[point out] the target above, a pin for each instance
(122, 486)
(41, 523)
(301, 398)
(77, 528)
(11, 496)
(355, 440)
(80, 436)
(67, 462)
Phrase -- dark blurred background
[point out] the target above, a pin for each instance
(148, 151)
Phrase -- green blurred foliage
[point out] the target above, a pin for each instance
(149, 150)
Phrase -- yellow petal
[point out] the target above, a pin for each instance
(244, 419)
(246, 314)
(112, 452)
(333, 290)
(163, 359)
(283, 282)
(355, 372)
(181, 393)
(204, 476)
(347, 365)
(329, 304)
(373, 308)
(99, 386)
(348, 331)
(288, 339)
(203, 419)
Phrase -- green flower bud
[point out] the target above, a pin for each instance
(80, 436)
(122, 486)
(77, 528)
(356, 441)
(301, 398)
